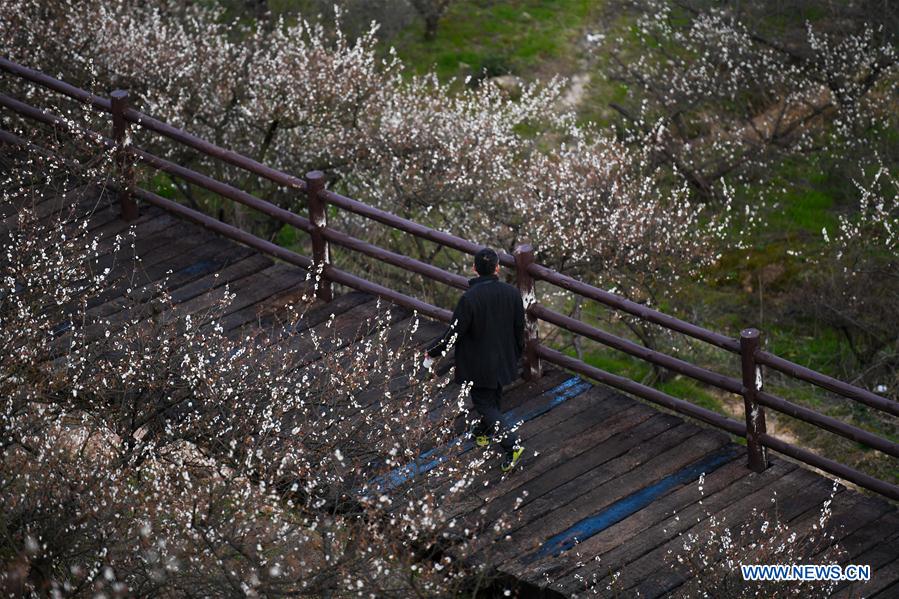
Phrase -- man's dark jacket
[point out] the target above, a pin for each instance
(489, 326)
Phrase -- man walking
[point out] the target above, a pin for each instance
(487, 328)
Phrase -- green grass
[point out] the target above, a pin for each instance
(695, 393)
(524, 38)
(638, 370)
(162, 185)
(816, 347)
(806, 210)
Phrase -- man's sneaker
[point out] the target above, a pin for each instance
(511, 461)
(481, 439)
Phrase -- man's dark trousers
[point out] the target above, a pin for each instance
(486, 403)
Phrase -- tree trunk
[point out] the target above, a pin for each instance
(431, 23)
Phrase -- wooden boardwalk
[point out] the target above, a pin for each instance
(608, 484)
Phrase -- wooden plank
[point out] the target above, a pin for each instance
(144, 276)
(551, 380)
(535, 422)
(342, 324)
(349, 325)
(287, 326)
(404, 382)
(648, 520)
(311, 314)
(614, 438)
(394, 339)
(499, 494)
(865, 538)
(103, 306)
(147, 236)
(881, 586)
(107, 231)
(212, 285)
(284, 284)
(653, 542)
(610, 415)
(621, 444)
(588, 407)
(95, 206)
(247, 290)
(542, 412)
(166, 250)
(850, 512)
(797, 492)
(79, 201)
(109, 300)
(665, 579)
(518, 393)
(880, 552)
(513, 393)
(159, 232)
(84, 202)
(234, 272)
(416, 485)
(890, 592)
(264, 314)
(104, 216)
(309, 355)
(664, 448)
(211, 256)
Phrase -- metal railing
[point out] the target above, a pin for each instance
(748, 346)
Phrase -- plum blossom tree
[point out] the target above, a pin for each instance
(719, 94)
(858, 257)
(175, 456)
(475, 162)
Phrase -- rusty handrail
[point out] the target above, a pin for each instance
(210, 149)
(644, 353)
(616, 301)
(412, 227)
(56, 85)
(304, 262)
(826, 382)
(649, 393)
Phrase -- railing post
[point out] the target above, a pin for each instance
(524, 255)
(119, 104)
(321, 253)
(750, 341)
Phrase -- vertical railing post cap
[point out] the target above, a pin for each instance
(316, 178)
(750, 333)
(523, 248)
(119, 94)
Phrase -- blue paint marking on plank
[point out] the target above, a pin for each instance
(570, 388)
(61, 328)
(202, 266)
(432, 458)
(631, 504)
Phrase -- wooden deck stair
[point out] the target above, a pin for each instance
(608, 483)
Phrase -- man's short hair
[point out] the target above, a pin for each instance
(485, 261)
